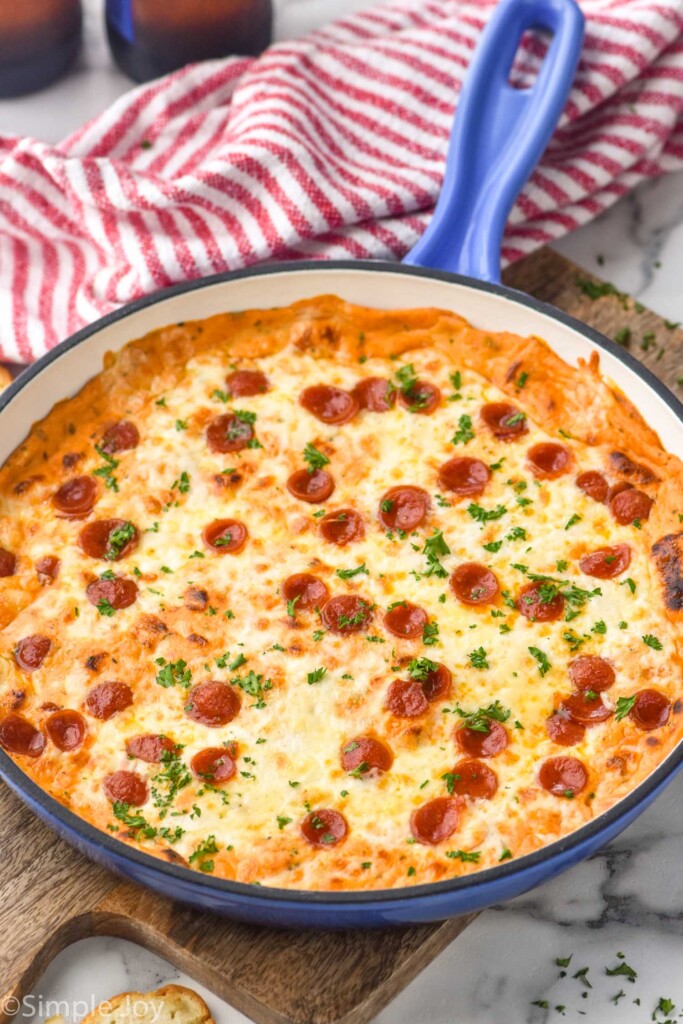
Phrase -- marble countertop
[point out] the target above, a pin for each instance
(629, 897)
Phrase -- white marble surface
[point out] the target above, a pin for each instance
(627, 898)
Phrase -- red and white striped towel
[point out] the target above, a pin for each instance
(329, 146)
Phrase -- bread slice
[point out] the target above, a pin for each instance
(172, 1004)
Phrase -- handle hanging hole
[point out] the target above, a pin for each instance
(531, 52)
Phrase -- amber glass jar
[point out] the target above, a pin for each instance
(38, 41)
(149, 38)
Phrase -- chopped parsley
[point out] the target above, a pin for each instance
(464, 433)
(478, 658)
(430, 634)
(253, 684)
(106, 472)
(118, 539)
(463, 855)
(435, 547)
(480, 720)
(624, 705)
(173, 673)
(105, 608)
(419, 668)
(347, 574)
(205, 849)
(484, 515)
(650, 640)
(314, 458)
(316, 676)
(544, 665)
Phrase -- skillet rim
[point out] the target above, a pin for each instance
(115, 849)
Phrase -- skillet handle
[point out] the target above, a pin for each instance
(498, 136)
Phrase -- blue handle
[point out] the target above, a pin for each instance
(498, 136)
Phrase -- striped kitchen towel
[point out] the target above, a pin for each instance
(328, 146)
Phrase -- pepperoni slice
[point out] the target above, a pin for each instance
(437, 683)
(107, 699)
(75, 498)
(308, 591)
(606, 563)
(324, 827)
(126, 788)
(118, 593)
(563, 776)
(593, 484)
(474, 778)
(590, 672)
(312, 487)
(563, 730)
(586, 708)
(228, 433)
(422, 398)
(435, 821)
(375, 394)
(630, 505)
(111, 539)
(246, 383)
(464, 475)
(539, 604)
(225, 536)
(67, 730)
(342, 527)
(504, 420)
(403, 508)
(8, 563)
(548, 460)
(329, 404)
(346, 613)
(406, 620)
(212, 704)
(47, 569)
(150, 747)
(406, 698)
(31, 652)
(651, 710)
(365, 755)
(482, 744)
(18, 736)
(214, 765)
(474, 584)
(123, 436)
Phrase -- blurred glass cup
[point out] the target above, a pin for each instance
(39, 39)
(150, 38)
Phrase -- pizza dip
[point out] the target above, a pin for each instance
(334, 598)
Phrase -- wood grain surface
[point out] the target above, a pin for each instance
(50, 896)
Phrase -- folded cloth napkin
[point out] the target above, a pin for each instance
(328, 146)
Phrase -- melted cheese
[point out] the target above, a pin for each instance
(289, 741)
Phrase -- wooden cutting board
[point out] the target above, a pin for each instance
(51, 896)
